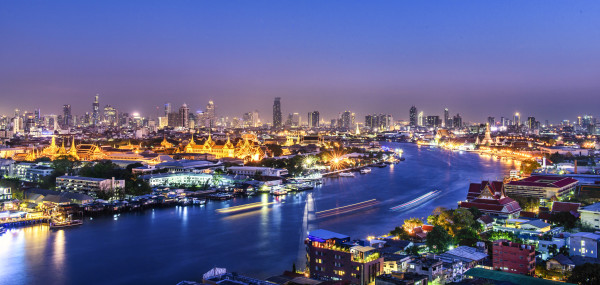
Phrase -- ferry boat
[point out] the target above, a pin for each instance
(416, 201)
(365, 170)
(2, 230)
(346, 174)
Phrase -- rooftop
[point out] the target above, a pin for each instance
(544, 181)
(464, 253)
(592, 208)
(81, 178)
(326, 235)
(509, 277)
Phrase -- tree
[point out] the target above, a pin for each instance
(528, 166)
(136, 187)
(462, 218)
(400, 233)
(412, 250)
(410, 224)
(467, 236)
(585, 274)
(564, 219)
(438, 239)
(275, 149)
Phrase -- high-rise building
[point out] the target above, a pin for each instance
(167, 109)
(38, 118)
(531, 123)
(413, 116)
(95, 110)
(433, 121)
(333, 256)
(277, 113)
(491, 121)
(67, 117)
(446, 118)
(184, 117)
(110, 115)
(421, 119)
(313, 119)
(210, 114)
(457, 121)
(296, 120)
(346, 120)
(517, 119)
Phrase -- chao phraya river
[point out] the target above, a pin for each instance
(164, 246)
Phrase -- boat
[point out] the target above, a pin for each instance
(365, 170)
(381, 165)
(65, 224)
(279, 192)
(417, 201)
(197, 201)
(346, 174)
(2, 230)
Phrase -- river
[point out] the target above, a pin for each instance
(164, 246)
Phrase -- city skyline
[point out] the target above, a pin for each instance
(513, 60)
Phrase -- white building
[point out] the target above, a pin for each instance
(584, 244)
(253, 170)
(87, 184)
(185, 179)
(591, 215)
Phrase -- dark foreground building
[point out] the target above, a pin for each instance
(332, 256)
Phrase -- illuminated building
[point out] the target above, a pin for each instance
(167, 109)
(421, 119)
(514, 257)
(110, 115)
(457, 121)
(433, 121)
(447, 123)
(277, 113)
(87, 184)
(184, 120)
(332, 256)
(210, 114)
(313, 119)
(67, 118)
(542, 187)
(95, 109)
(413, 116)
(245, 149)
(489, 198)
(517, 119)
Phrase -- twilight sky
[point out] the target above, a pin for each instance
(477, 58)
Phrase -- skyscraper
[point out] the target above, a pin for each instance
(277, 113)
(446, 118)
(67, 118)
(210, 114)
(457, 121)
(184, 116)
(347, 120)
(313, 119)
(421, 119)
(167, 109)
(110, 115)
(413, 116)
(95, 108)
(491, 121)
(517, 119)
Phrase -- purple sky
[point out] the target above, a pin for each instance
(477, 58)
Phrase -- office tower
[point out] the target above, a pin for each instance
(531, 123)
(457, 121)
(547, 124)
(110, 115)
(517, 119)
(346, 120)
(167, 109)
(296, 120)
(421, 119)
(67, 117)
(37, 117)
(433, 121)
(491, 121)
(313, 119)
(95, 108)
(210, 114)
(277, 113)
(446, 118)
(184, 119)
(413, 116)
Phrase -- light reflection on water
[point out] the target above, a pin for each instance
(164, 246)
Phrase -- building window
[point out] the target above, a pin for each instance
(337, 264)
(318, 260)
(339, 272)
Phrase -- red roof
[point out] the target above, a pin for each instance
(527, 214)
(565, 207)
(545, 181)
(475, 189)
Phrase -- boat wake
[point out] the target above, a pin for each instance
(415, 202)
(347, 208)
